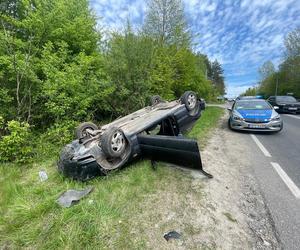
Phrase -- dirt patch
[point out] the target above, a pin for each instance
(226, 212)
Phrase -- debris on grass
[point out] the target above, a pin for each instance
(43, 175)
(172, 235)
(71, 197)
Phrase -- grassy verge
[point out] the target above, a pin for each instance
(110, 217)
(206, 124)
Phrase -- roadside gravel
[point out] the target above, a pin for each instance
(226, 212)
(235, 213)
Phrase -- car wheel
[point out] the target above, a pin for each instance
(113, 142)
(156, 99)
(80, 131)
(189, 98)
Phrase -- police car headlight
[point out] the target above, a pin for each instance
(237, 117)
(275, 118)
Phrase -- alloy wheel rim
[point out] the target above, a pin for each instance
(191, 101)
(118, 142)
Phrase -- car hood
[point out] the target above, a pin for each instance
(255, 114)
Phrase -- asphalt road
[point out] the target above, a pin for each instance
(280, 178)
(276, 166)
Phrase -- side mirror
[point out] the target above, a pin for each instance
(276, 107)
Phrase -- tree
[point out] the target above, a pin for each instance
(205, 65)
(290, 68)
(166, 23)
(266, 70)
(217, 77)
(162, 73)
(129, 63)
(251, 91)
(292, 44)
(288, 74)
(35, 33)
(18, 42)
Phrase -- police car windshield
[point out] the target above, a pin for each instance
(260, 105)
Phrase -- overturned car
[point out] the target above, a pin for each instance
(154, 132)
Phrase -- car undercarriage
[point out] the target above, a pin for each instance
(154, 132)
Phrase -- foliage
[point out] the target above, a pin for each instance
(162, 74)
(217, 77)
(287, 78)
(70, 84)
(292, 44)
(48, 54)
(166, 23)
(60, 133)
(252, 91)
(136, 63)
(129, 61)
(15, 145)
(266, 70)
(55, 69)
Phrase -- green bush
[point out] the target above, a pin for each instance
(60, 133)
(1, 125)
(15, 145)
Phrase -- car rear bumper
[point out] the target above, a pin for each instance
(272, 126)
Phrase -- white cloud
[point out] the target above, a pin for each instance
(240, 34)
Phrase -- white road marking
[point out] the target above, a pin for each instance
(287, 180)
(294, 116)
(261, 147)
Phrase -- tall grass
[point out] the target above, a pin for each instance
(31, 218)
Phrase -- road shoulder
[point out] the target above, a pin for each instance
(234, 215)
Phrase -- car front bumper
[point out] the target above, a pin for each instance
(247, 126)
(289, 109)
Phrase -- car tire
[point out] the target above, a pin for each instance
(189, 99)
(113, 142)
(80, 131)
(156, 99)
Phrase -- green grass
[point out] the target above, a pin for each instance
(30, 217)
(206, 124)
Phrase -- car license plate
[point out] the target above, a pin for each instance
(256, 126)
(292, 108)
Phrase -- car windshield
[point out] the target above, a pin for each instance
(261, 105)
(285, 99)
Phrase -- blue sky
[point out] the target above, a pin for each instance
(240, 34)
